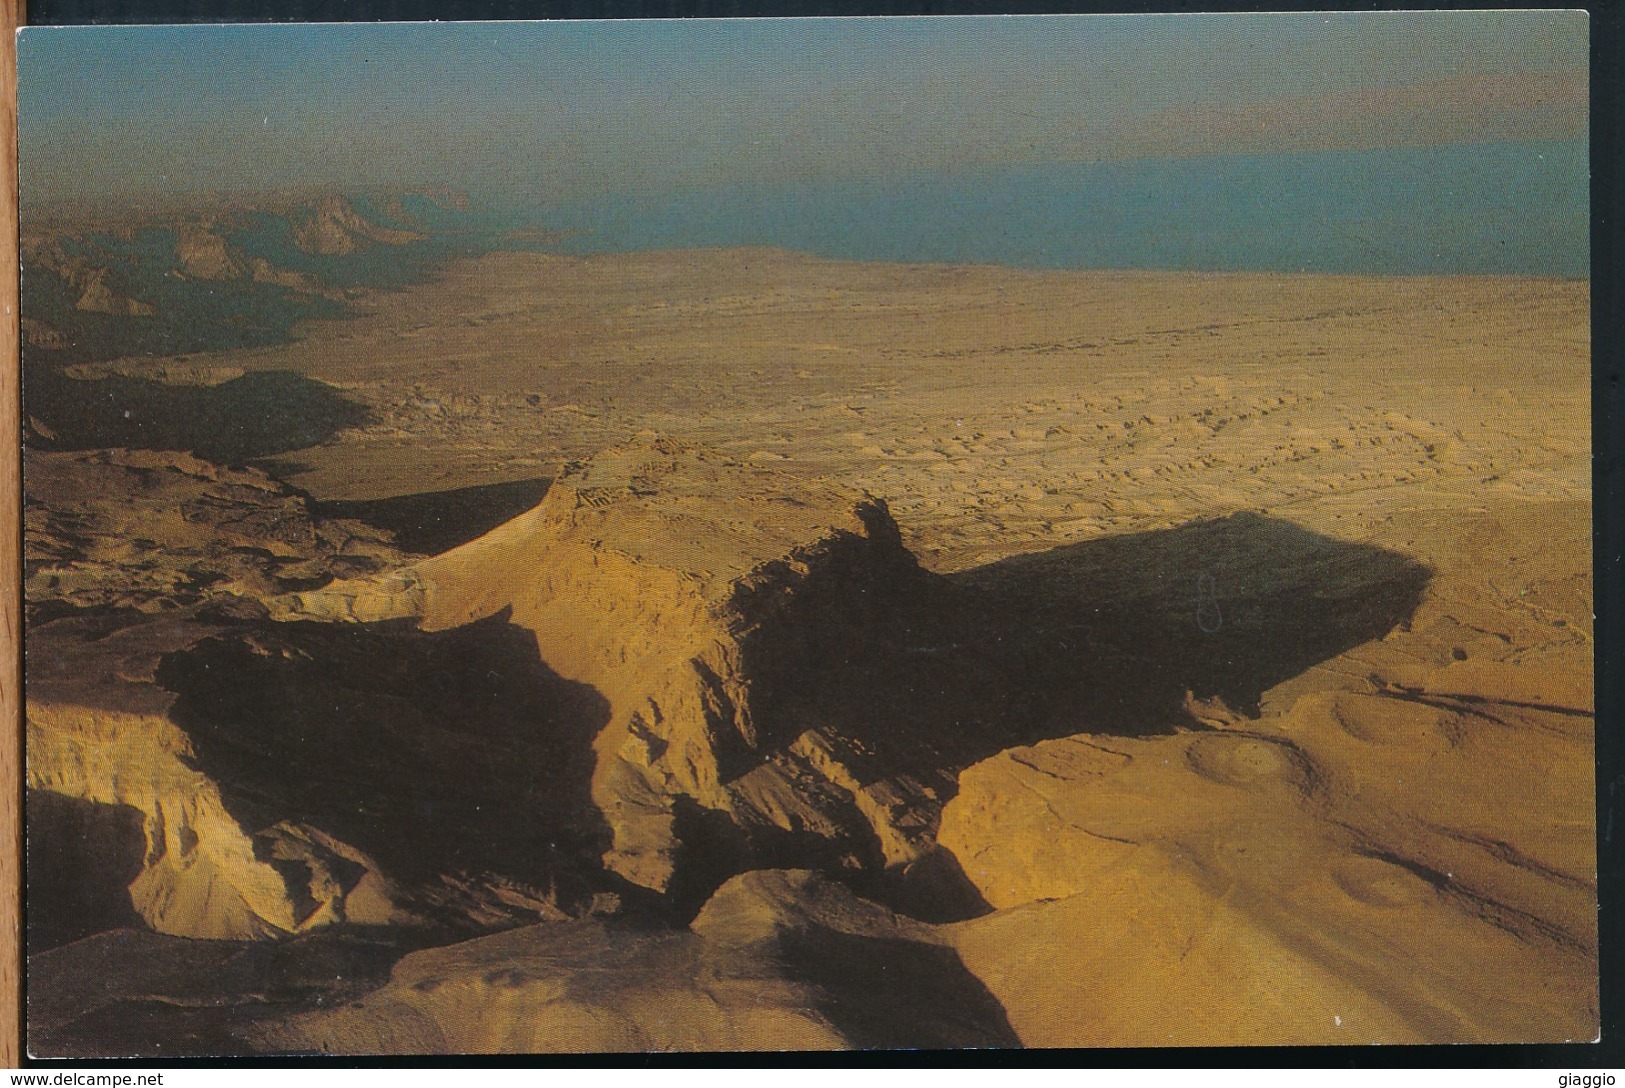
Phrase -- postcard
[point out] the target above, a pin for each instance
(792, 535)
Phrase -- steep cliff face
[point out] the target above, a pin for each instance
(261, 766)
(679, 668)
(101, 730)
(290, 776)
(133, 556)
(685, 588)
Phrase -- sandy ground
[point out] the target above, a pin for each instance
(996, 410)
(1047, 438)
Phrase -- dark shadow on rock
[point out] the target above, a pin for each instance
(434, 753)
(135, 993)
(1109, 635)
(81, 858)
(885, 993)
(715, 848)
(933, 888)
(1106, 636)
(431, 522)
(257, 415)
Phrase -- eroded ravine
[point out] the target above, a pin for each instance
(680, 668)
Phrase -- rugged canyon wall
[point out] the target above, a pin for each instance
(629, 673)
(681, 675)
(691, 591)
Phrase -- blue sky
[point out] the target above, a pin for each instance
(566, 111)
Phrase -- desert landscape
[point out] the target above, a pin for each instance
(443, 638)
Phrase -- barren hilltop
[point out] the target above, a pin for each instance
(736, 649)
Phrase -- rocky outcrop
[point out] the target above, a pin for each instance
(101, 730)
(202, 254)
(39, 334)
(679, 667)
(97, 296)
(262, 271)
(136, 993)
(145, 283)
(167, 714)
(285, 777)
(332, 227)
(1347, 872)
(154, 530)
(666, 716)
(685, 587)
(775, 961)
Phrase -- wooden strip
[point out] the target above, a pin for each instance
(11, 17)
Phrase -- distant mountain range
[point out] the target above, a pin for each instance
(239, 273)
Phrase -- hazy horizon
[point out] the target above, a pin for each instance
(1450, 141)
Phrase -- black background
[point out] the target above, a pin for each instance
(1608, 407)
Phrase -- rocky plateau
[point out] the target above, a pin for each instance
(1106, 661)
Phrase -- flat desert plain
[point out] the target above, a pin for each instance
(997, 411)
(982, 657)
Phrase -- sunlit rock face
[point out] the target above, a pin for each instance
(285, 777)
(695, 594)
